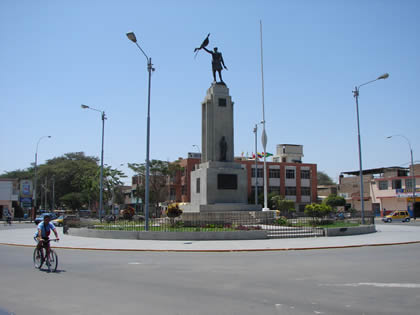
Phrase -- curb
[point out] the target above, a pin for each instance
(220, 250)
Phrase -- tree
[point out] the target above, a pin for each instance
(334, 201)
(283, 205)
(324, 179)
(316, 210)
(159, 171)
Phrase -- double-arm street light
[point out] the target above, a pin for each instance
(36, 168)
(101, 179)
(356, 95)
(413, 178)
(131, 36)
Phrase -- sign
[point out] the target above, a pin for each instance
(26, 202)
(26, 188)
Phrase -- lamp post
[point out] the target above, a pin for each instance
(356, 95)
(131, 36)
(196, 146)
(101, 179)
(36, 168)
(264, 134)
(256, 166)
(413, 178)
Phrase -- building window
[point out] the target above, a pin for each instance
(222, 102)
(290, 191)
(305, 191)
(260, 172)
(274, 173)
(198, 185)
(260, 190)
(305, 174)
(290, 173)
(183, 190)
(409, 184)
(274, 189)
(396, 184)
(383, 185)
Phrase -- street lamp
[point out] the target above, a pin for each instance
(131, 36)
(36, 161)
(256, 166)
(196, 146)
(101, 179)
(413, 178)
(356, 95)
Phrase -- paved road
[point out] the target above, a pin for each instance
(367, 280)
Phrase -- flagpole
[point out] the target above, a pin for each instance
(264, 134)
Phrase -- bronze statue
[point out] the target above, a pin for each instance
(217, 62)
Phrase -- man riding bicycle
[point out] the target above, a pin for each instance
(43, 231)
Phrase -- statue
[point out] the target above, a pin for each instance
(223, 149)
(217, 62)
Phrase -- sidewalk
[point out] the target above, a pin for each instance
(391, 234)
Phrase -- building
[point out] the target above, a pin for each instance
(385, 189)
(9, 196)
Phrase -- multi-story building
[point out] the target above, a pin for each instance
(9, 195)
(384, 190)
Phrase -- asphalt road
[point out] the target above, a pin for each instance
(370, 280)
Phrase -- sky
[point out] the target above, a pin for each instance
(57, 55)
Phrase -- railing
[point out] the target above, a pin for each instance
(276, 226)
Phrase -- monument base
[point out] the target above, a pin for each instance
(219, 186)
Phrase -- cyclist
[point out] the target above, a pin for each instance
(43, 231)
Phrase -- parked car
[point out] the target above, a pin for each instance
(58, 221)
(40, 218)
(398, 215)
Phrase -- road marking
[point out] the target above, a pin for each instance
(378, 285)
(134, 263)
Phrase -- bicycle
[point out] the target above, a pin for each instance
(49, 256)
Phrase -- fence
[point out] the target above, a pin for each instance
(276, 227)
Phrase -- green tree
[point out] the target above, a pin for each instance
(283, 205)
(334, 201)
(324, 179)
(159, 173)
(316, 210)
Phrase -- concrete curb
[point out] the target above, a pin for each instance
(170, 236)
(219, 250)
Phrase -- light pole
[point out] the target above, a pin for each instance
(36, 168)
(413, 178)
(264, 134)
(131, 36)
(256, 166)
(356, 95)
(196, 146)
(101, 179)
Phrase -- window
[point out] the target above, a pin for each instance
(383, 185)
(409, 184)
(198, 186)
(305, 191)
(290, 173)
(260, 190)
(305, 174)
(274, 189)
(291, 191)
(396, 184)
(274, 173)
(222, 102)
(183, 190)
(260, 172)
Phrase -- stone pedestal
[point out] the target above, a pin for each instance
(218, 184)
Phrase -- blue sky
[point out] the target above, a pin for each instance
(56, 55)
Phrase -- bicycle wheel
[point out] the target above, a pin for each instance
(38, 258)
(53, 260)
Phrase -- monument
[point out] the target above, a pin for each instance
(218, 183)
